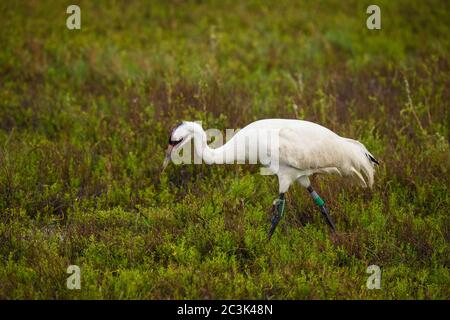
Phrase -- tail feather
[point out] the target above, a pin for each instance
(358, 174)
(361, 161)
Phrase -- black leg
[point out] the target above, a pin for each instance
(318, 200)
(278, 211)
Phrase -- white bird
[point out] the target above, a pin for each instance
(291, 149)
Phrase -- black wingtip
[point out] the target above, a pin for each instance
(371, 158)
(374, 160)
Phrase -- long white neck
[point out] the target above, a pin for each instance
(245, 145)
(203, 151)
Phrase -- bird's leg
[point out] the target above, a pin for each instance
(318, 200)
(278, 209)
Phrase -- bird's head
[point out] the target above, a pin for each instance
(179, 136)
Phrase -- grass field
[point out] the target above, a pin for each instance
(85, 117)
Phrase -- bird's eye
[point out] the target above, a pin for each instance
(174, 143)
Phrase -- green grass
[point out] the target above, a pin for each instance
(84, 121)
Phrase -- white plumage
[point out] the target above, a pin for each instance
(303, 148)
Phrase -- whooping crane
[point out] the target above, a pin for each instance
(303, 148)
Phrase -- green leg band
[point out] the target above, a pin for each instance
(318, 200)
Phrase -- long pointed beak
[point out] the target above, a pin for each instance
(167, 157)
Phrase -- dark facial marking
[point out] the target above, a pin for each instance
(174, 143)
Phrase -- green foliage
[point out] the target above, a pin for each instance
(84, 120)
